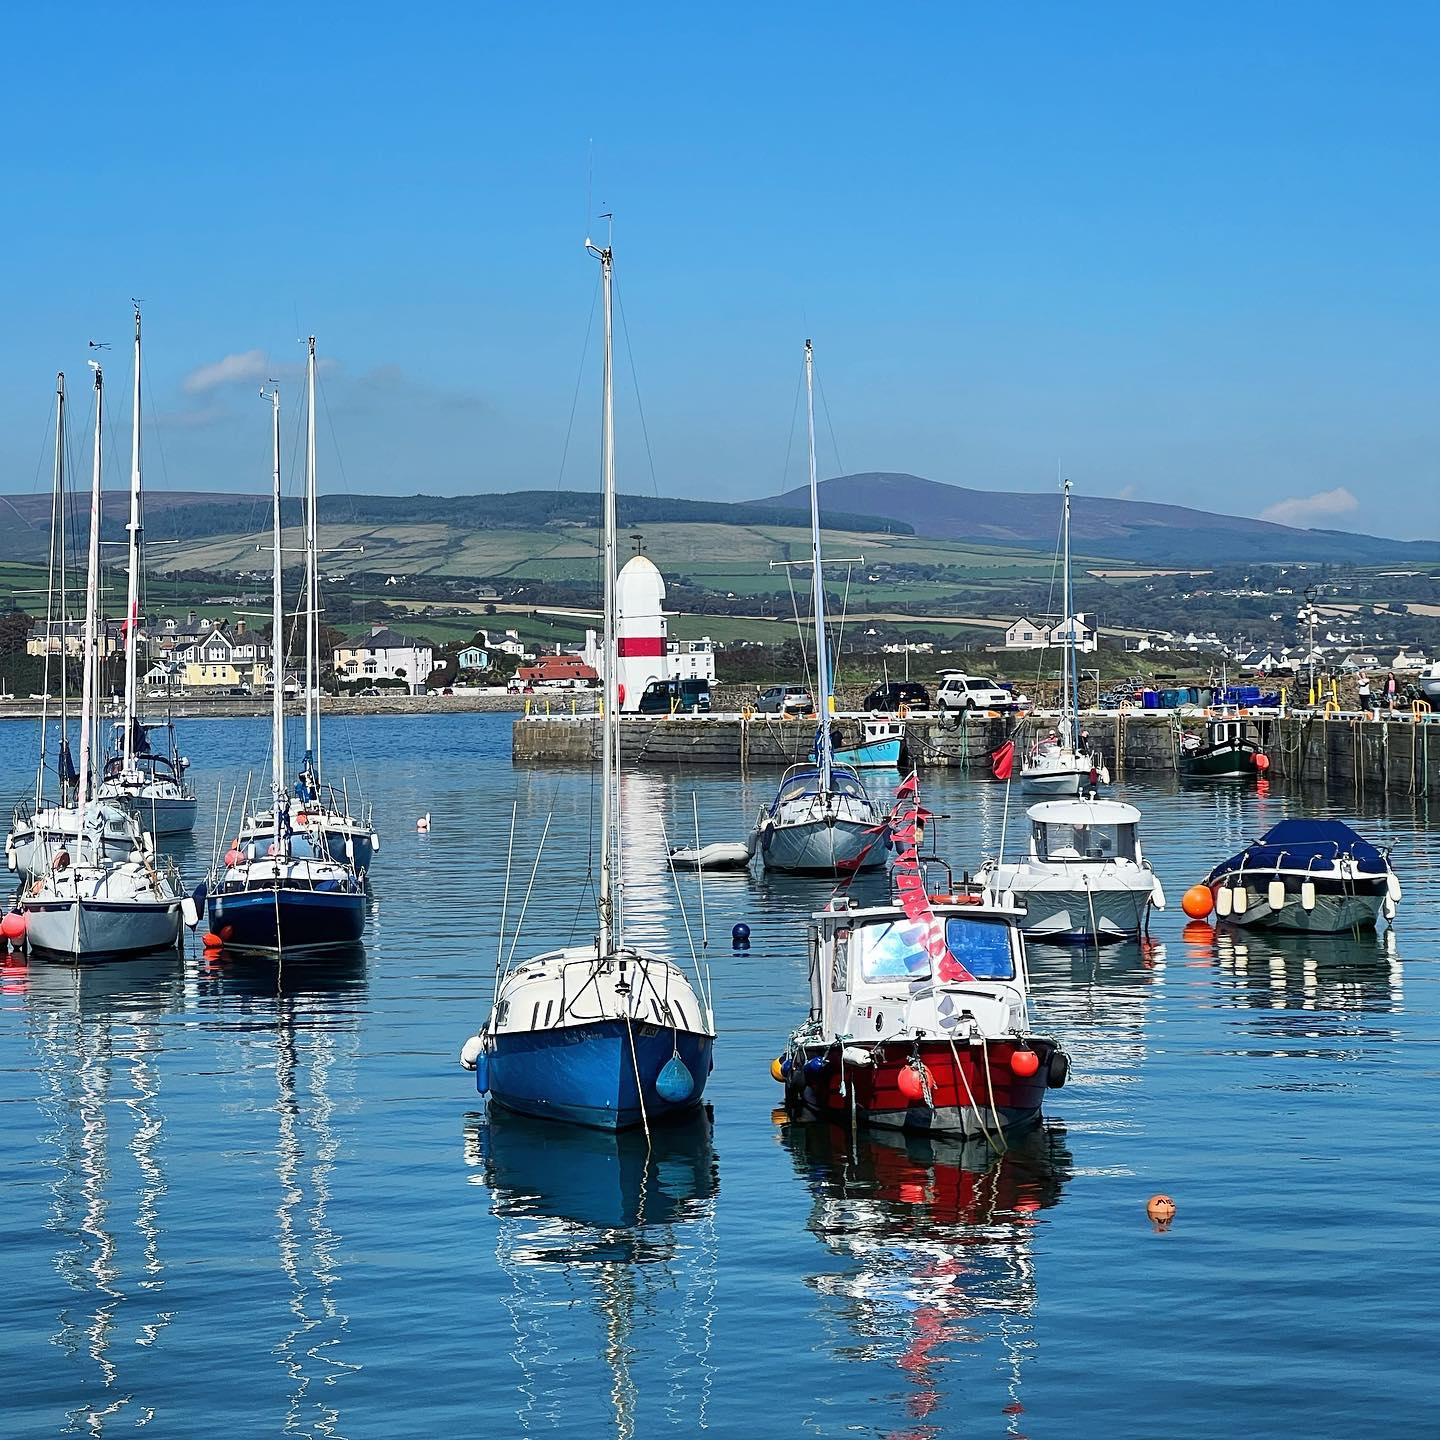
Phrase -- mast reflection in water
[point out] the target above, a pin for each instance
(938, 1233)
(624, 1226)
(299, 1019)
(95, 1035)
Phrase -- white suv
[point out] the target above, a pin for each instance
(959, 691)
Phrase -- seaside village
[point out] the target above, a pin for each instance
(218, 656)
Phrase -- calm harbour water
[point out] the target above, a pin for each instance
(266, 1202)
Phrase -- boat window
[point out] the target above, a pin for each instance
(894, 950)
(844, 783)
(981, 946)
(1061, 840)
(806, 783)
(841, 962)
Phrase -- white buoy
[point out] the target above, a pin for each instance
(423, 823)
(470, 1052)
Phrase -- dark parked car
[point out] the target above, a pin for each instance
(665, 697)
(890, 696)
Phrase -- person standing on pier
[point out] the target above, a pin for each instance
(1365, 694)
(1390, 688)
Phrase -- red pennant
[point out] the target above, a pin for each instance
(1002, 762)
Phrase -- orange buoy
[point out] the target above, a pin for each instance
(777, 1071)
(914, 1080)
(1197, 902)
(1024, 1063)
(1198, 932)
(1161, 1209)
(13, 926)
(211, 941)
(1262, 761)
(233, 857)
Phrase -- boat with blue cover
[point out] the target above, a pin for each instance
(1306, 875)
(272, 894)
(603, 1035)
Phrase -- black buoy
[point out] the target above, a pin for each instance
(740, 935)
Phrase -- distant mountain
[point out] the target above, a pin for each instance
(1123, 529)
(191, 515)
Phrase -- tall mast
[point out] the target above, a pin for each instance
(277, 645)
(312, 578)
(1067, 687)
(92, 602)
(132, 598)
(609, 937)
(57, 533)
(822, 659)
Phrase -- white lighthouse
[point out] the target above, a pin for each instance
(644, 649)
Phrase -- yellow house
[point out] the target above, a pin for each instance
(206, 674)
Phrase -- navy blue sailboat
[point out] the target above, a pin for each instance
(324, 822)
(273, 893)
(604, 1034)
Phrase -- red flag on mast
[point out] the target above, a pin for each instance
(1002, 762)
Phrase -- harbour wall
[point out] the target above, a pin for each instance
(1398, 754)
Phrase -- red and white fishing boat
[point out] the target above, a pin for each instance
(919, 1009)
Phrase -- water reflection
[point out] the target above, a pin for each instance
(96, 1036)
(627, 1224)
(1307, 988)
(938, 1235)
(306, 1013)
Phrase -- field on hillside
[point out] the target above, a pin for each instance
(723, 557)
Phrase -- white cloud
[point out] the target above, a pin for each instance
(1305, 510)
(249, 367)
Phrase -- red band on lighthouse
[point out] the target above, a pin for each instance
(630, 647)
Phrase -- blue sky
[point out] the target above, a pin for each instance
(1191, 251)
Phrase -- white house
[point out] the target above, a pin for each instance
(384, 654)
(691, 659)
(1026, 634)
(1074, 632)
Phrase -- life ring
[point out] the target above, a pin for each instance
(954, 899)
(620, 694)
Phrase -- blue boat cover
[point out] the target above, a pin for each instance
(1299, 844)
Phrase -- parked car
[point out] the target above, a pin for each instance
(663, 697)
(959, 691)
(889, 696)
(786, 700)
(370, 690)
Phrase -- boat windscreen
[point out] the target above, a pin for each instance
(895, 949)
(1061, 840)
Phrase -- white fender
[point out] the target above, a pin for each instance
(853, 1055)
(1241, 900)
(1276, 894)
(188, 911)
(1157, 892)
(1222, 901)
(1388, 908)
(1392, 886)
(374, 840)
(470, 1052)
(1307, 895)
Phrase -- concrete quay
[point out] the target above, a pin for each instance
(1399, 754)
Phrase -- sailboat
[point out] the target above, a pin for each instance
(40, 826)
(1056, 764)
(273, 896)
(86, 904)
(145, 777)
(323, 823)
(604, 1035)
(821, 821)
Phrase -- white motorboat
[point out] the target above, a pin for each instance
(1085, 879)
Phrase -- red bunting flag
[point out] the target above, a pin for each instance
(1002, 762)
